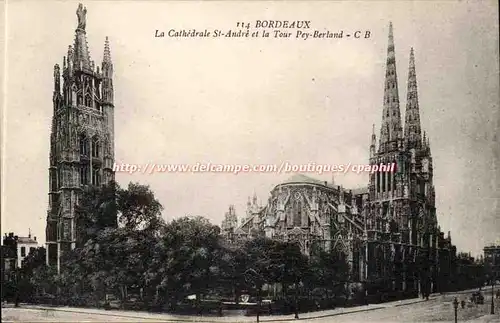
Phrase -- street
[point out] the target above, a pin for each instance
(438, 308)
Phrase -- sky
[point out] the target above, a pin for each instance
(261, 100)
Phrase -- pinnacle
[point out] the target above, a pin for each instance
(391, 117)
(391, 37)
(107, 52)
(412, 124)
(412, 59)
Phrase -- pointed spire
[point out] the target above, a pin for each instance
(82, 56)
(427, 143)
(413, 136)
(373, 142)
(57, 78)
(391, 130)
(107, 73)
(107, 53)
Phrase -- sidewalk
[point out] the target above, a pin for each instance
(487, 319)
(153, 317)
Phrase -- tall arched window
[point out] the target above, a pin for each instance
(96, 176)
(95, 147)
(84, 145)
(84, 179)
(297, 219)
(88, 100)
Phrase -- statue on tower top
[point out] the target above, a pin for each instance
(81, 13)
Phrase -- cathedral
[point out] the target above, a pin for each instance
(81, 139)
(388, 230)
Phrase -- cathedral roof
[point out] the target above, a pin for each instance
(360, 190)
(301, 178)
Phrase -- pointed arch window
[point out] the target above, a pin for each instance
(73, 96)
(389, 182)
(297, 220)
(88, 101)
(84, 175)
(96, 176)
(79, 99)
(95, 147)
(84, 145)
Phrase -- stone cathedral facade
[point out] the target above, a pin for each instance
(81, 139)
(388, 230)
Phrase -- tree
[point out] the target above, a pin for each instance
(232, 263)
(329, 270)
(185, 258)
(119, 227)
(138, 208)
(96, 210)
(32, 263)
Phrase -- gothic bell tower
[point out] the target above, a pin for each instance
(81, 139)
(402, 204)
(388, 190)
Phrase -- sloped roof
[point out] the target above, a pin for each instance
(360, 190)
(26, 240)
(301, 178)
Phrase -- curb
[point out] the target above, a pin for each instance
(416, 302)
(195, 320)
(203, 320)
(328, 315)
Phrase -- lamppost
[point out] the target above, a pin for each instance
(253, 277)
(296, 310)
(455, 306)
(492, 296)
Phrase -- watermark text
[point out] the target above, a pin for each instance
(283, 168)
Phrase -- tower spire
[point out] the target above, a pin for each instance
(373, 142)
(81, 53)
(391, 130)
(107, 72)
(107, 53)
(413, 132)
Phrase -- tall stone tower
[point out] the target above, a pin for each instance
(81, 139)
(389, 190)
(402, 206)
